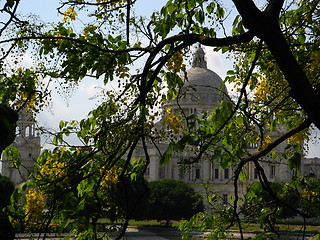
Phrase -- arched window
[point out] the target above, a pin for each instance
(27, 131)
(17, 130)
(226, 173)
(272, 171)
(32, 130)
(197, 173)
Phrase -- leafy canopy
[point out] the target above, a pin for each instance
(275, 48)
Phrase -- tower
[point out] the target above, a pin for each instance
(27, 142)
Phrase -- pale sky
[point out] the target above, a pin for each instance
(80, 103)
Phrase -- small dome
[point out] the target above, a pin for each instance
(199, 58)
(26, 115)
(203, 89)
(203, 78)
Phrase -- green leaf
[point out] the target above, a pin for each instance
(166, 157)
(294, 162)
(219, 11)
(302, 38)
(199, 15)
(61, 124)
(240, 120)
(12, 154)
(224, 160)
(243, 175)
(216, 155)
(238, 27)
(211, 7)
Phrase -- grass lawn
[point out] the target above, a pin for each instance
(247, 227)
(281, 227)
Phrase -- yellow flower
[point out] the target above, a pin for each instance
(122, 72)
(110, 177)
(69, 14)
(265, 142)
(309, 195)
(35, 204)
(173, 123)
(52, 170)
(88, 31)
(298, 138)
(175, 63)
(169, 110)
(58, 41)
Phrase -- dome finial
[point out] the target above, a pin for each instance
(199, 58)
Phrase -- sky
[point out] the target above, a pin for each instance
(80, 103)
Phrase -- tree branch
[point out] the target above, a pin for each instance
(279, 140)
(273, 9)
(254, 158)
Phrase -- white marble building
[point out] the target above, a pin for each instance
(200, 93)
(28, 144)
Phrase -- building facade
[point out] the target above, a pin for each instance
(28, 144)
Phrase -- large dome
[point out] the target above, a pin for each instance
(202, 90)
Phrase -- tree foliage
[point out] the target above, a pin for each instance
(292, 198)
(259, 205)
(170, 199)
(6, 189)
(275, 47)
(18, 86)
